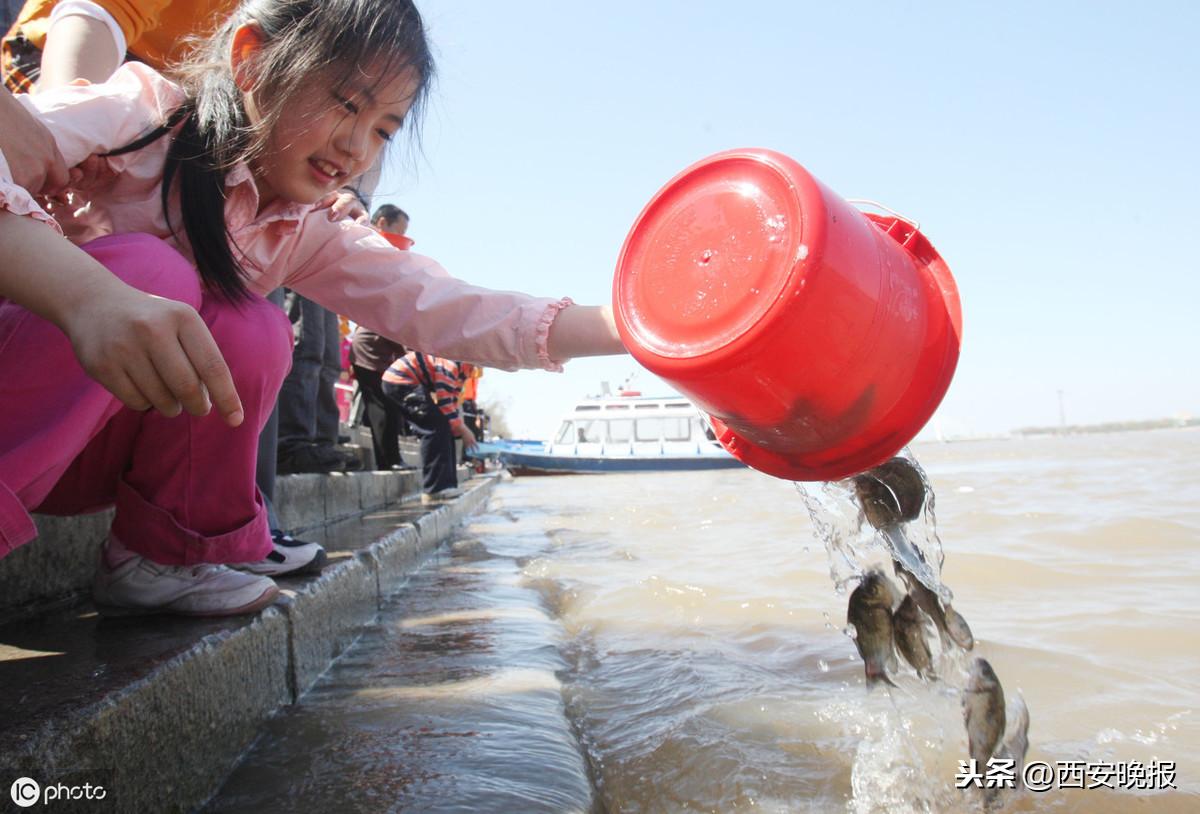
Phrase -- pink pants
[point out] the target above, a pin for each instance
(183, 487)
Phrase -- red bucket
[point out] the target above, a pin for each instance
(818, 338)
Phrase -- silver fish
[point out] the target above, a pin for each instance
(949, 622)
(1014, 748)
(983, 712)
(908, 630)
(1017, 743)
(891, 493)
(958, 629)
(870, 611)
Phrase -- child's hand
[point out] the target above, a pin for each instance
(32, 155)
(153, 352)
(148, 351)
(344, 204)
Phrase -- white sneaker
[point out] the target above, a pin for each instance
(138, 586)
(439, 496)
(287, 556)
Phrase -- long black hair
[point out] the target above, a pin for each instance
(306, 41)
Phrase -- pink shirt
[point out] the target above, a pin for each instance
(344, 266)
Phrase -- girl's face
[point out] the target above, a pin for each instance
(329, 137)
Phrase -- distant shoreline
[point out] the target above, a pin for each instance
(1072, 429)
(1111, 426)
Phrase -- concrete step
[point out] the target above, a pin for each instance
(158, 709)
(57, 569)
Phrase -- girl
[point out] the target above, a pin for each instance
(205, 201)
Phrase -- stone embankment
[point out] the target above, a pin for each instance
(157, 710)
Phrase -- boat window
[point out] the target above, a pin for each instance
(617, 407)
(645, 406)
(567, 434)
(583, 408)
(648, 429)
(589, 432)
(620, 430)
(676, 429)
(678, 404)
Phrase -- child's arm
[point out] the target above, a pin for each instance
(584, 330)
(148, 351)
(410, 299)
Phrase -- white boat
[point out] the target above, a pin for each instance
(624, 433)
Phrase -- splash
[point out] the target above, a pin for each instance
(898, 740)
(853, 545)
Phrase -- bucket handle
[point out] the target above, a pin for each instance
(894, 230)
(914, 224)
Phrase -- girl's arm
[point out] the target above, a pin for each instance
(584, 330)
(148, 351)
(410, 299)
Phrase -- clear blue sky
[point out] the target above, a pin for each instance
(1048, 149)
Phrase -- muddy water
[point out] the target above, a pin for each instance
(688, 627)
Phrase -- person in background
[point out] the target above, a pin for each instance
(8, 13)
(427, 388)
(371, 354)
(308, 410)
(468, 401)
(54, 42)
(392, 222)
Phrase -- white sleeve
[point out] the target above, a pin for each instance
(85, 8)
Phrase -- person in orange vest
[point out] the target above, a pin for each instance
(469, 403)
(54, 42)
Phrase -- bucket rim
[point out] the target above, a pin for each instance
(804, 259)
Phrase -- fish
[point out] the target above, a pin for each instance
(949, 622)
(908, 630)
(1017, 743)
(870, 611)
(1014, 748)
(891, 493)
(958, 629)
(983, 712)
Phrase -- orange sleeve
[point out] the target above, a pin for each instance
(135, 18)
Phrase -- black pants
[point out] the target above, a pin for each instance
(437, 441)
(308, 409)
(382, 415)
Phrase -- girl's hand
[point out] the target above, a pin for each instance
(153, 352)
(344, 204)
(148, 351)
(32, 155)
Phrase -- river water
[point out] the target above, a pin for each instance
(674, 642)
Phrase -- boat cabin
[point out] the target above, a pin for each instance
(634, 426)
